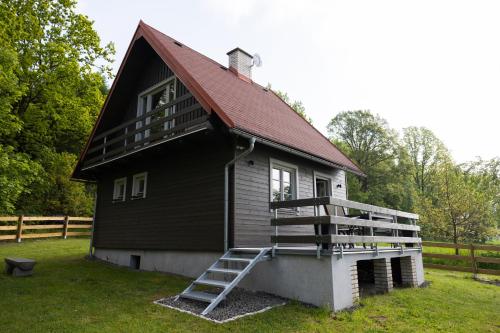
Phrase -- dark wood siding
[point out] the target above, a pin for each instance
(252, 194)
(184, 206)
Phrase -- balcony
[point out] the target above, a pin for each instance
(178, 118)
(346, 226)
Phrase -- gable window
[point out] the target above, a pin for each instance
(139, 185)
(152, 99)
(119, 189)
(283, 181)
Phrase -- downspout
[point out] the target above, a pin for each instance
(91, 253)
(226, 190)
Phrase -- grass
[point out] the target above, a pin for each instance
(70, 294)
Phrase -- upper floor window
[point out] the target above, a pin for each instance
(139, 185)
(152, 99)
(283, 181)
(120, 189)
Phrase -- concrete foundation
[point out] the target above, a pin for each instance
(329, 281)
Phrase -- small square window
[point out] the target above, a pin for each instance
(139, 185)
(120, 189)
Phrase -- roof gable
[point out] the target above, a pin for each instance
(248, 106)
(241, 104)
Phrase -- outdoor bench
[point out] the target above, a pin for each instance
(19, 266)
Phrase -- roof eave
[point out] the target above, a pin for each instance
(294, 151)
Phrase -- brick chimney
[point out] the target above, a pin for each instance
(240, 62)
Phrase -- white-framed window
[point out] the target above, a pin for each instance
(139, 185)
(120, 189)
(284, 181)
(151, 99)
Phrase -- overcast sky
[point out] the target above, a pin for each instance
(415, 63)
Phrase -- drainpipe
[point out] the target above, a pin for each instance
(91, 252)
(226, 191)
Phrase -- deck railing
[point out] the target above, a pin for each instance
(181, 116)
(347, 224)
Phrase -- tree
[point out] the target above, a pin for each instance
(367, 137)
(52, 80)
(297, 106)
(425, 153)
(368, 141)
(460, 210)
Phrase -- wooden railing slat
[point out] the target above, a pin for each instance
(44, 218)
(7, 237)
(447, 256)
(79, 226)
(490, 260)
(321, 201)
(44, 235)
(8, 227)
(8, 218)
(446, 245)
(79, 233)
(79, 218)
(42, 226)
(449, 267)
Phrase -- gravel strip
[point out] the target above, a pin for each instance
(238, 303)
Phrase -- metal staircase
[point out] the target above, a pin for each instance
(224, 275)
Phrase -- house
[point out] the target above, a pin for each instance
(194, 160)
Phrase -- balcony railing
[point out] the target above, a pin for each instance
(177, 118)
(347, 225)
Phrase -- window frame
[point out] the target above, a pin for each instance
(294, 178)
(115, 183)
(134, 195)
(148, 93)
(323, 176)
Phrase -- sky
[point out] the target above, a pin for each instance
(415, 63)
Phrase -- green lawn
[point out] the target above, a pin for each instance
(71, 294)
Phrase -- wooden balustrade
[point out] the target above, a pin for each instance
(147, 130)
(347, 223)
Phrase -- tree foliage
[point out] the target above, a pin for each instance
(297, 106)
(458, 203)
(52, 85)
(425, 153)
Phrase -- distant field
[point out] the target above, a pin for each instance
(70, 294)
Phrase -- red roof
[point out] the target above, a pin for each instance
(241, 104)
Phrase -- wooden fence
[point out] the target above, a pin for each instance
(473, 258)
(19, 227)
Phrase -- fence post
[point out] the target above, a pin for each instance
(66, 221)
(473, 257)
(20, 228)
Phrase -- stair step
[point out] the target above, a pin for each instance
(214, 283)
(199, 296)
(236, 259)
(246, 249)
(225, 270)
